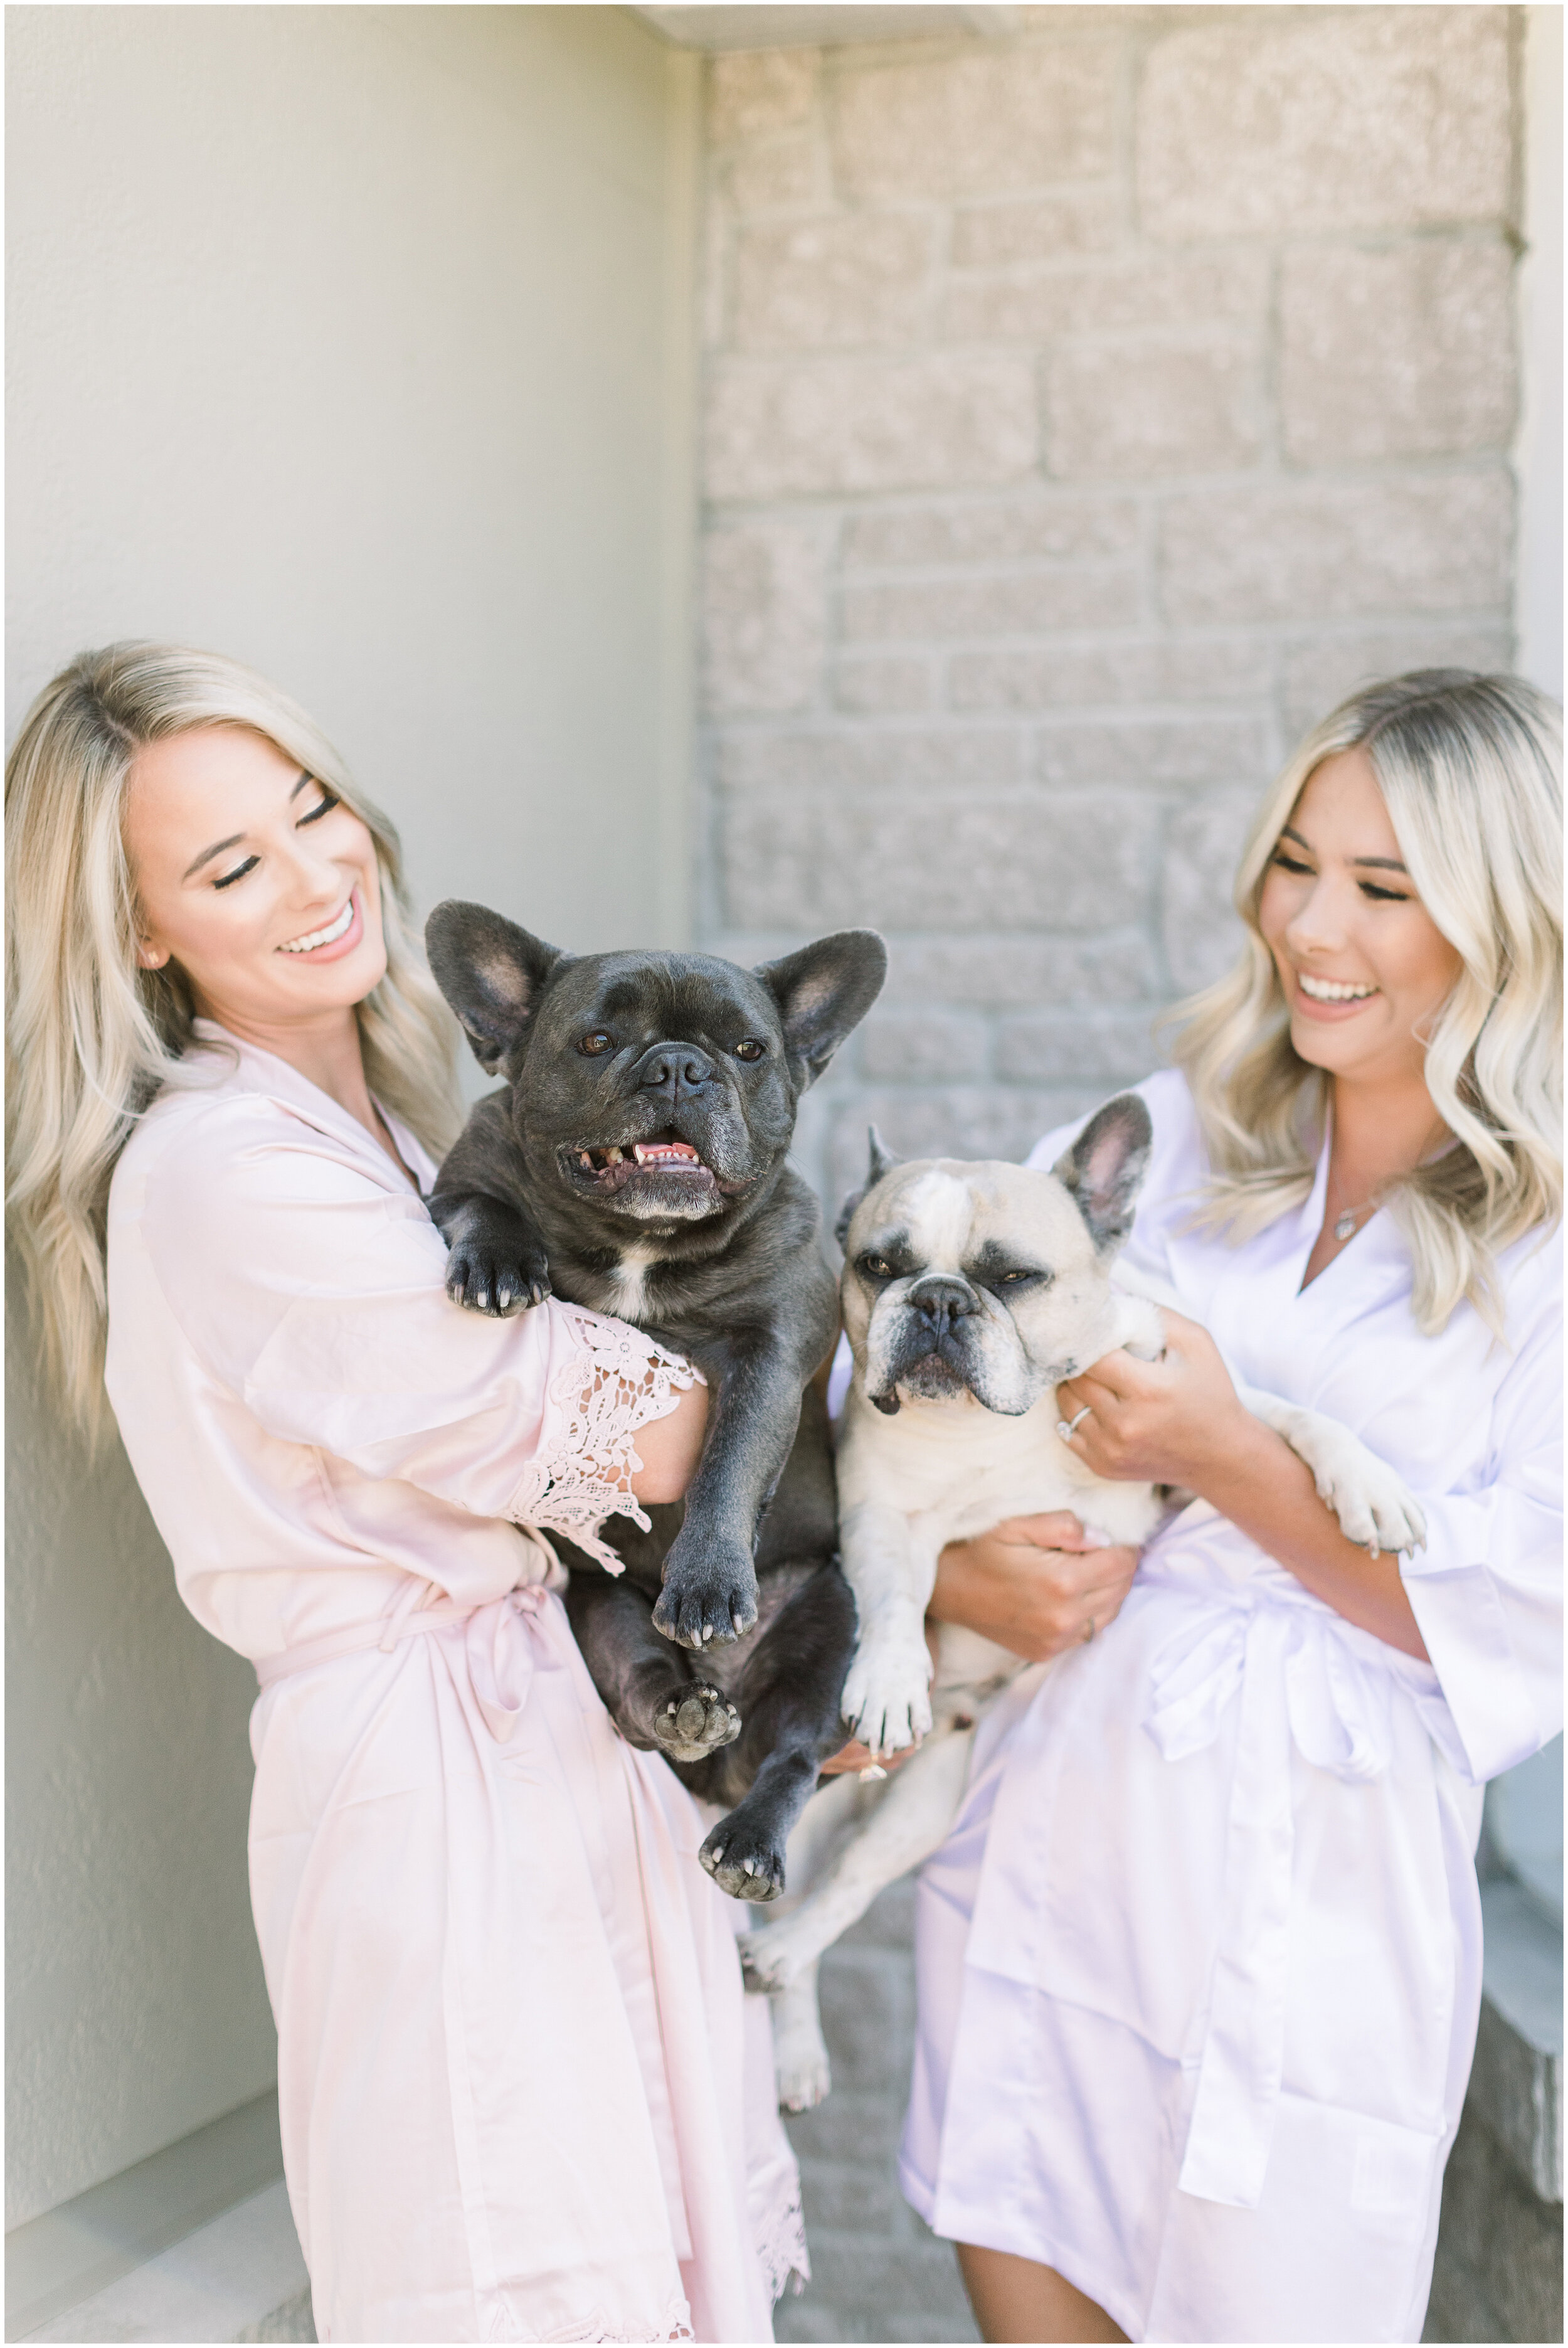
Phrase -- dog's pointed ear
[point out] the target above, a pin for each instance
(491, 973)
(823, 993)
(1105, 1166)
(882, 1161)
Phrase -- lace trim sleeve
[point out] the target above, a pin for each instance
(616, 1381)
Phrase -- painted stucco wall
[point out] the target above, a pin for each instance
(352, 342)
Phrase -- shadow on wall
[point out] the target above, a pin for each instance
(136, 2009)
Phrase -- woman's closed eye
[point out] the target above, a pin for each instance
(1371, 890)
(324, 806)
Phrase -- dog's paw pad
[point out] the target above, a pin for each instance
(699, 1723)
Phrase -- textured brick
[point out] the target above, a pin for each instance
(776, 172)
(1321, 549)
(924, 1047)
(1067, 973)
(780, 764)
(1161, 751)
(997, 529)
(872, 686)
(1202, 848)
(1020, 603)
(858, 278)
(1199, 669)
(983, 123)
(1408, 351)
(978, 1121)
(764, 598)
(1319, 674)
(940, 421)
(980, 863)
(1297, 121)
(1117, 1046)
(991, 236)
(1202, 290)
(758, 90)
(1115, 411)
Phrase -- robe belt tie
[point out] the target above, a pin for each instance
(1299, 1679)
(500, 1654)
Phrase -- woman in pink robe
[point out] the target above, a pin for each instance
(517, 2076)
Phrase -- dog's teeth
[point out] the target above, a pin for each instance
(587, 1157)
(612, 1155)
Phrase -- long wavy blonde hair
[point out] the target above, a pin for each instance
(91, 1035)
(1470, 770)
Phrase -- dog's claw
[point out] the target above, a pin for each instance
(752, 1872)
(481, 1285)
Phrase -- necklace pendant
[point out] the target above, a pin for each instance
(1345, 1229)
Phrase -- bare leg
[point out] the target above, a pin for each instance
(1017, 2299)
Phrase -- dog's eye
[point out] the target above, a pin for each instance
(874, 1267)
(752, 1049)
(1020, 1279)
(596, 1043)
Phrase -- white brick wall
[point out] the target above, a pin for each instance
(1085, 410)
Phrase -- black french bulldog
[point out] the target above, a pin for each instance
(634, 1161)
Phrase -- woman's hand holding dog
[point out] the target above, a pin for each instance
(1172, 1421)
(1034, 1584)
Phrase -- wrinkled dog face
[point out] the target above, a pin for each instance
(652, 1088)
(987, 1280)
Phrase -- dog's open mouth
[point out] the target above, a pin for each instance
(608, 1167)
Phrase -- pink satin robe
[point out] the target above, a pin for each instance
(522, 2095)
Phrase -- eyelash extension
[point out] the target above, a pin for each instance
(1367, 888)
(330, 799)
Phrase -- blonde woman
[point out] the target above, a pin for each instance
(1200, 1965)
(509, 2003)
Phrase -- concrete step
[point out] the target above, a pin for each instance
(195, 2242)
(239, 2278)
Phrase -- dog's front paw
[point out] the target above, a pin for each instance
(709, 1591)
(1373, 1504)
(743, 1860)
(496, 1280)
(699, 1723)
(886, 1697)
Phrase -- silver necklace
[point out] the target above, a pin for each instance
(1345, 1224)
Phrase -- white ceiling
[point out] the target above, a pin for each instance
(764, 27)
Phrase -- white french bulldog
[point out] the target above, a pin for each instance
(969, 1291)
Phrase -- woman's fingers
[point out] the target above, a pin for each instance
(1052, 1529)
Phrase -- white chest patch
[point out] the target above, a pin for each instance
(628, 1284)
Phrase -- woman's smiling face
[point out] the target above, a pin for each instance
(1363, 965)
(255, 878)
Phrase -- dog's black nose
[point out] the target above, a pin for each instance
(939, 1300)
(674, 1069)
